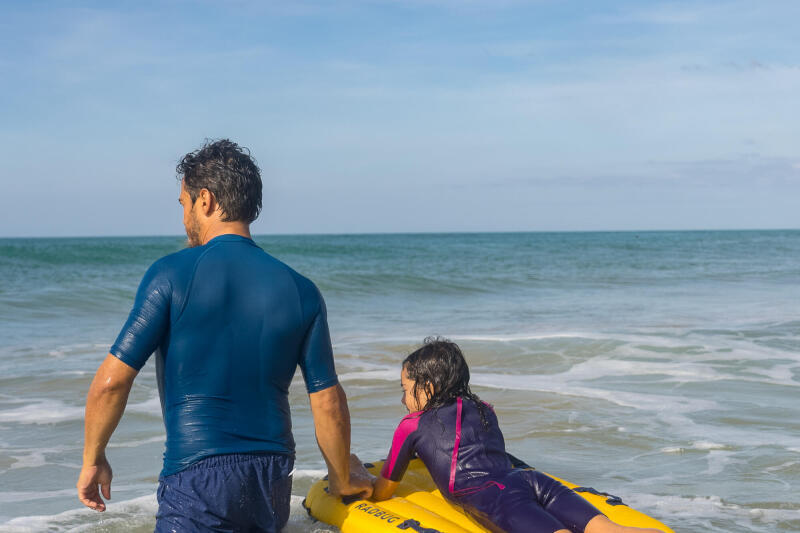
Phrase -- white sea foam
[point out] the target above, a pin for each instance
(32, 495)
(700, 446)
(148, 407)
(563, 384)
(33, 459)
(673, 449)
(782, 466)
(701, 511)
(42, 412)
(706, 445)
(300, 522)
(697, 366)
(524, 337)
(388, 374)
(309, 473)
(37, 457)
(122, 516)
(134, 513)
(365, 341)
(717, 461)
(24, 496)
(136, 443)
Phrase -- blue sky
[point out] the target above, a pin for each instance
(373, 116)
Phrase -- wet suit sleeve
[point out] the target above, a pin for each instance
(316, 356)
(148, 321)
(402, 450)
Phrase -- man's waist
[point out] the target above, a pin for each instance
(228, 455)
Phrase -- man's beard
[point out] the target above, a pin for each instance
(193, 233)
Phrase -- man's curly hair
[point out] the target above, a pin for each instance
(229, 173)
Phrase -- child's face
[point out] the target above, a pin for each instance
(412, 403)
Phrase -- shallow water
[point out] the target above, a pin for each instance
(662, 367)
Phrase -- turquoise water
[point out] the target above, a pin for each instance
(663, 367)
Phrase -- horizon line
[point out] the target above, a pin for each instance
(389, 233)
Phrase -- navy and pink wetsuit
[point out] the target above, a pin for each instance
(469, 464)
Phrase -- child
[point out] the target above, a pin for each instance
(457, 437)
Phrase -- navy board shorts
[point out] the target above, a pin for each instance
(227, 493)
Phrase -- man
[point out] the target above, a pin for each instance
(229, 325)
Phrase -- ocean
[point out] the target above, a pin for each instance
(662, 367)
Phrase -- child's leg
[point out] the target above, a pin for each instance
(561, 502)
(526, 517)
(601, 524)
(572, 510)
(511, 509)
(527, 502)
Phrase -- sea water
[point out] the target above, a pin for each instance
(662, 367)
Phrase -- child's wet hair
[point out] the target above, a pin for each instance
(439, 365)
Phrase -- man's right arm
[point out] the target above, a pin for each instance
(105, 404)
(332, 426)
(108, 394)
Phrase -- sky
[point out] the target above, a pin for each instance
(404, 116)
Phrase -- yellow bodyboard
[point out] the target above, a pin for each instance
(419, 506)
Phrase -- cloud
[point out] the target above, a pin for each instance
(750, 170)
(747, 169)
(664, 14)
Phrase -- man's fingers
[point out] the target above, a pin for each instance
(92, 501)
(367, 493)
(96, 505)
(106, 488)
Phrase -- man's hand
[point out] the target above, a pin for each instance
(89, 479)
(360, 481)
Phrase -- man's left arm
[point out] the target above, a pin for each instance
(346, 474)
(105, 404)
(329, 405)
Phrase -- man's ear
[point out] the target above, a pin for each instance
(208, 204)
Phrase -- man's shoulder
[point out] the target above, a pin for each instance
(304, 285)
(175, 262)
(306, 289)
(173, 268)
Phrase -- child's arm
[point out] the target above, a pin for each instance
(383, 489)
(396, 463)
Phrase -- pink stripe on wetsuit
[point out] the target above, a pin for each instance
(401, 448)
(469, 465)
(454, 462)
(454, 458)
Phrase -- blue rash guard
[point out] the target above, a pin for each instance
(229, 325)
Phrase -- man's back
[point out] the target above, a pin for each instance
(229, 324)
